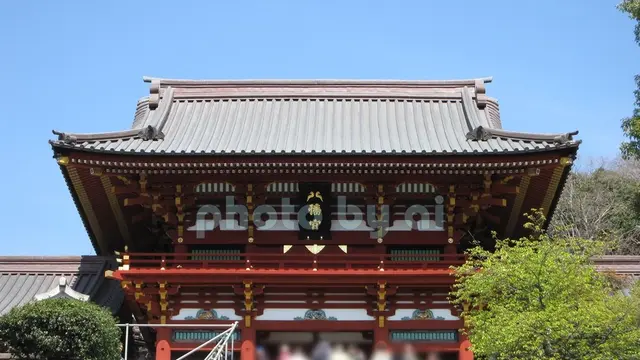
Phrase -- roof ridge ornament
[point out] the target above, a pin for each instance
(481, 93)
(482, 133)
(151, 133)
(62, 291)
(154, 94)
(564, 138)
(65, 138)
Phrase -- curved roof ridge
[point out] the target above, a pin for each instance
(152, 131)
(317, 82)
(482, 133)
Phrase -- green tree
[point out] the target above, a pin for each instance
(60, 329)
(603, 204)
(540, 298)
(631, 125)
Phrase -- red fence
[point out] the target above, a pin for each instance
(298, 262)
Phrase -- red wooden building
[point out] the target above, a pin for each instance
(325, 207)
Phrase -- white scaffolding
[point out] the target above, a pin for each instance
(222, 349)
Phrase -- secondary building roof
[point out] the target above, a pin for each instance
(195, 117)
(22, 278)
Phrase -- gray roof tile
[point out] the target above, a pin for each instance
(321, 117)
(22, 278)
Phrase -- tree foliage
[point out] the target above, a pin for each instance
(540, 298)
(604, 205)
(60, 329)
(631, 124)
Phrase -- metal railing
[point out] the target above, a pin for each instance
(224, 342)
(296, 261)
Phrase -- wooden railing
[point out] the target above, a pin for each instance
(299, 262)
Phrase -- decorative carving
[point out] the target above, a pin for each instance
(162, 292)
(315, 248)
(479, 134)
(315, 315)
(250, 205)
(248, 302)
(314, 195)
(65, 138)
(206, 315)
(62, 291)
(315, 211)
(422, 315)
(150, 133)
(316, 224)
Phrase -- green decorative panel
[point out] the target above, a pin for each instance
(199, 335)
(422, 315)
(425, 336)
(206, 315)
(315, 315)
(210, 254)
(400, 252)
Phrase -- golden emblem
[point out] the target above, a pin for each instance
(315, 224)
(315, 209)
(316, 195)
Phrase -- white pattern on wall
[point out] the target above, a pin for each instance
(229, 314)
(445, 314)
(339, 314)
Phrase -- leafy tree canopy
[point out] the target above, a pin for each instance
(60, 329)
(631, 125)
(540, 298)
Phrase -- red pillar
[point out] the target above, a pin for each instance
(163, 348)
(464, 353)
(248, 348)
(381, 332)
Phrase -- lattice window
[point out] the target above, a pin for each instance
(419, 336)
(416, 188)
(281, 187)
(292, 187)
(215, 188)
(209, 253)
(199, 336)
(401, 254)
(347, 188)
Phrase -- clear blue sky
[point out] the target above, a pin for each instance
(77, 66)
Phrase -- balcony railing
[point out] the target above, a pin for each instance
(255, 261)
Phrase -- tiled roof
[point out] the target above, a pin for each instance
(316, 117)
(620, 264)
(22, 278)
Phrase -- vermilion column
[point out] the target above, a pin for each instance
(464, 353)
(248, 348)
(163, 348)
(381, 336)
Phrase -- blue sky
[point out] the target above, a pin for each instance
(78, 66)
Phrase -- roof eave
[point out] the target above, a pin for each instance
(83, 215)
(567, 145)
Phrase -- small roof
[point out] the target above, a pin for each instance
(194, 117)
(62, 291)
(25, 279)
(627, 265)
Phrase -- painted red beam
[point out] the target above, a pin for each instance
(276, 261)
(447, 347)
(188, 346)
(314, 325)
(419, 347)
(218, 236)
(298, 277)
(425, 325)
(249, 161)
